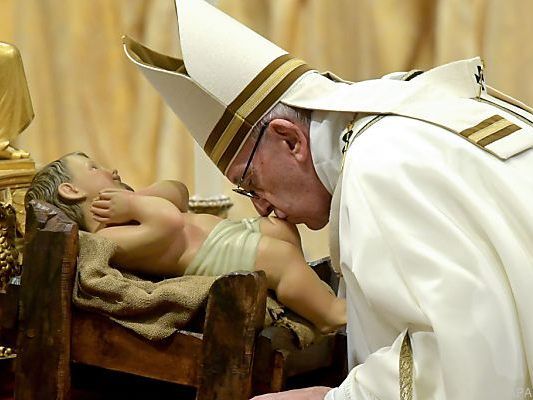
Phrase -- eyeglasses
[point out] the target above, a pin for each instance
(250, 193)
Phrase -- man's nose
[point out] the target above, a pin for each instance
(263, 207)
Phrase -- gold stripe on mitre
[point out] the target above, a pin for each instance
(490, 130)
(249, 106)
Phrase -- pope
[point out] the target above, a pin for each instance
(424, 177)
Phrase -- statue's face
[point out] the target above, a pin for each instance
(90, 177)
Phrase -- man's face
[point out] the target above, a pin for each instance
(283, 177)
(91, 177)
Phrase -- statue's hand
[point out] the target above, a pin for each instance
(113, 206)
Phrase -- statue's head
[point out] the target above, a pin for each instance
(71, 183)
(45, 186)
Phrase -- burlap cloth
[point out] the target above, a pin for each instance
(155, 310)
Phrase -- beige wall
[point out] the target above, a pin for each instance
(87, 97)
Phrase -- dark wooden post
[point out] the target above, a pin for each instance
(277, 357)
(235, 314)
(43, 343)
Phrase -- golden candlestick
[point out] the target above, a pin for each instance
(215, 205)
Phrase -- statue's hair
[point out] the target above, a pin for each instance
(282, 111)
(45, 185)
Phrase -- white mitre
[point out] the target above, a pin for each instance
(230, 77)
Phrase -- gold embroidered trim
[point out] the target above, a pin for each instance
(490, 130)
(232, 108)
(249, 106)
(406, 369)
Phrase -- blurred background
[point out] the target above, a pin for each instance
(88, 97)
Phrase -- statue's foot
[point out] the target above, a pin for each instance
(11, 153)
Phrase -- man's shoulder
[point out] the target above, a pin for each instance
(394, 138)
(401, 146)
(402, 149)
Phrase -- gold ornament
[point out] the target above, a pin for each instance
(6, 352)
(9, 265)
(16, 111)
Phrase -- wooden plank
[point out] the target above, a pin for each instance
(235, 314)
(43, 364)
(277, 358)
(269, 361)
(98, 341)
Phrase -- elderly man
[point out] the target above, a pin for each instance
(425, 178)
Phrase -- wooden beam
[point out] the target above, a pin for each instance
(43, 364)
(235, 314)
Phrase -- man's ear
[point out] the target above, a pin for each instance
(293, 136)
(68, 191)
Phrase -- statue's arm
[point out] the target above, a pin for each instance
(158, 225)
(174, 191)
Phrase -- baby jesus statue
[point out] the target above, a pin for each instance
(156, 236)
(16, 111)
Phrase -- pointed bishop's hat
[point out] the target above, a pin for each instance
(229, 78)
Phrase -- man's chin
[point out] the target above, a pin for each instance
(315, 225)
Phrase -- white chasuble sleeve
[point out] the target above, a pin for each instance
(435, 237)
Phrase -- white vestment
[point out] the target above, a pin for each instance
(436, 237)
